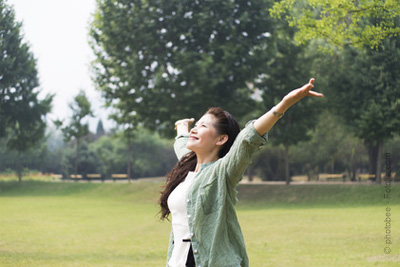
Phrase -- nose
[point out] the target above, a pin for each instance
(193, 130)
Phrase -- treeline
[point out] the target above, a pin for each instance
(157, 62)
(331, 149)
(99, 153)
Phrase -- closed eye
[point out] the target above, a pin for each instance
(200, 125)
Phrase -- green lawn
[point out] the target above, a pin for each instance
(82, 224)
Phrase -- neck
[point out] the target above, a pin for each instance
(204, 159)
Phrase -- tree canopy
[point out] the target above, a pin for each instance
(81, 108)
(341, 22)
(157, 61)
(364, 91)
(22, 113)
(289, 65)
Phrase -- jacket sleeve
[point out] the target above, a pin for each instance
(235, 162)
(180, 146)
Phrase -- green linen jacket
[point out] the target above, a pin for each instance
(216, 237)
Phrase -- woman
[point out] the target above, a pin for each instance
(200, 190)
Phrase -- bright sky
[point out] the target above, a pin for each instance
(57, 32)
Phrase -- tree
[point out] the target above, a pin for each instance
(21, 111)
(364, 91)
(100, 129)
(35, 158)
(332, 148)
(161, 60)
(150, 155)
(289, 66)
(339, 22)
(128, 133)
(81, 108)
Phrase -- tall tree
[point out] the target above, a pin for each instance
(341, 22)
(364, 90)
(21, 111)
(289, 66)
(100, 129)
(128, 123)
(77, 129)
(161, 60)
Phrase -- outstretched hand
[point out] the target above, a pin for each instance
(298, 94)
(268, 120)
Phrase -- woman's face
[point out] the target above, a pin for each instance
(203, 137)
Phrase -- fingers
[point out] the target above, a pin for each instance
(311, 85)
(313, 93)
(306, 89)
(186, 122)
(191, 120)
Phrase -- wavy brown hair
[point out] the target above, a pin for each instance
(224, 123)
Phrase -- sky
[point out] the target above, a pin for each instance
(57, 33)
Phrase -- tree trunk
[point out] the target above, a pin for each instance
(378, 163)
(375, 158)
(371, 147)
(76, 158)
(353, 172)
(287, 173)
(19, 171)
(129, 165)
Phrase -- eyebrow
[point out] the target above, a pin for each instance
(201, 122)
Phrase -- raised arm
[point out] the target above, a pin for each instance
(268, 120)
(182, 129)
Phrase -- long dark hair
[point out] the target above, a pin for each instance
(224, 123)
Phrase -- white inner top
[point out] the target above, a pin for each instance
(180, 225)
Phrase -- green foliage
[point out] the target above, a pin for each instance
(269, 163)
(157, 61)
(36, 157)
(391, 158)
(332, 149)
(81, 109)
(22, 114)
(289, 67)
(150, 155)
(363, 87)
(100, 129)
(20, 109)
(76, 130)
(341, 22)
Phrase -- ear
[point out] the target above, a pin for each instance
(222, 139)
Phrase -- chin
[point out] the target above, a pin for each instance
(189, 147)
(192, 146)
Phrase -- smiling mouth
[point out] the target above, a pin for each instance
(193, 138)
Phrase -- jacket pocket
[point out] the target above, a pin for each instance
(210, 199)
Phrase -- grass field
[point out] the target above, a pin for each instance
(88, 224)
